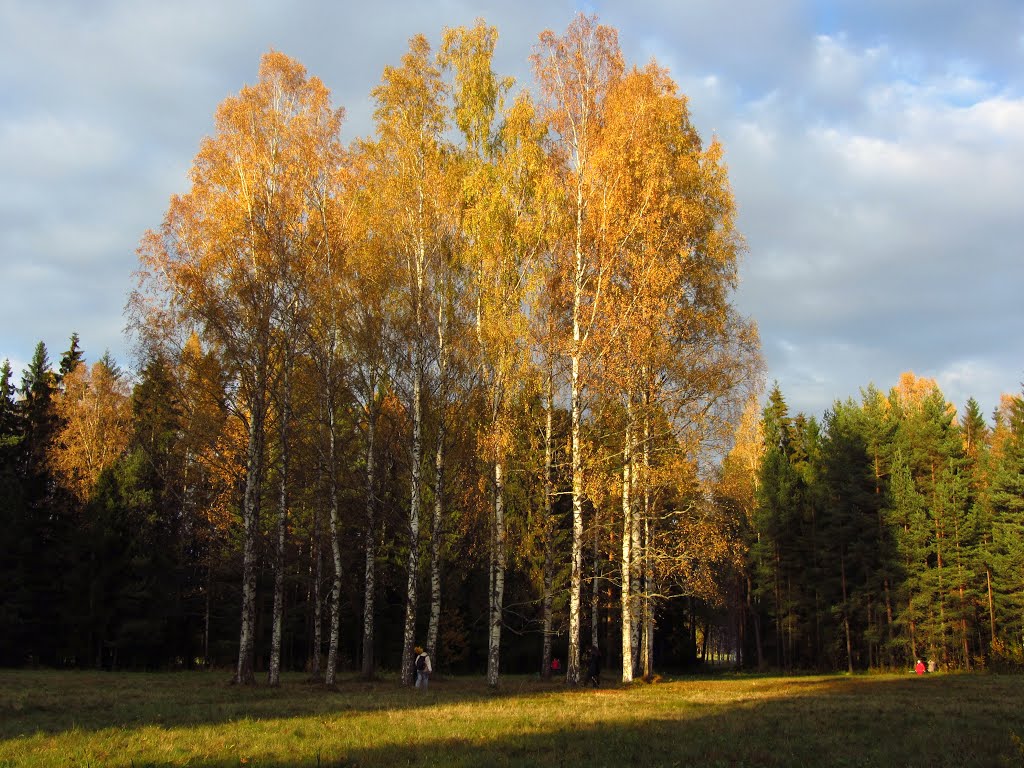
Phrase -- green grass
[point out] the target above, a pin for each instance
(197, 719)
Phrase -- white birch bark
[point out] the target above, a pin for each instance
(498, 577)
(412, 567)
(330, 675)
(645, 555)
(549, 564)
(370, 545)
(576, 416)
(274, 669)
(635, 580)
(626, 564)
(245, 674)
(434, 624)
(315, 672)
(416, 458)
(647, 662)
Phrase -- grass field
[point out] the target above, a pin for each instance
(197, 719)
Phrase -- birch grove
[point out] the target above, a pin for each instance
(512, 347)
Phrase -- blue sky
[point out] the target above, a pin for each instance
(875, 149)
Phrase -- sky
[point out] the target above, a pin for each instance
(875, 150)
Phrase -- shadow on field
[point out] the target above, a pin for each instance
(53, 702)
(861, 721)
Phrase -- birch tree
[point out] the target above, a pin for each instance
(221, 261)
(504, 235)
(408, 157)
(574, 73)
(94, 416)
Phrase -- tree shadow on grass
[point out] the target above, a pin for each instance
(52, 702)
(944, 721)
(869, 723)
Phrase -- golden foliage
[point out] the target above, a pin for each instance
(95, 414)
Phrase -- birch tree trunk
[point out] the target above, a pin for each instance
(576, 573)
(408, 635)
(626, 592)
(636, 559)
(498, 577)
(369, 571)
(595, 588)
(648, 606)
(434, 623)
(549, 559)
(330, 676)
(645, 554)
(274, 670)
(245, 674)
(315, 672)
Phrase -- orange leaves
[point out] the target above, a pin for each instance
(95, 412)
(912, 390)
(574, 74)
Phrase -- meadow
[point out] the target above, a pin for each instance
(50, 718)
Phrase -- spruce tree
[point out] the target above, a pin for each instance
(933, 447)
(1007, 549)
(13, 597)
(43, 545)
(70, 359)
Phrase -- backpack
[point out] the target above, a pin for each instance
(421, 662)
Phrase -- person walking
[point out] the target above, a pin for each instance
(423, 667)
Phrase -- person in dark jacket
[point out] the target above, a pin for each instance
(594, 666)
(421, 664)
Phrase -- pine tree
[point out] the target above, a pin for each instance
(933, 448)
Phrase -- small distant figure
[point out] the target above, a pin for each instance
(919, 667)
(594, 667)
(556, 665)
(931, 665)
(423, 668)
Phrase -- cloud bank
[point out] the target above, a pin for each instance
(874, 150)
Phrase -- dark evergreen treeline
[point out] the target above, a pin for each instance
(890, 531)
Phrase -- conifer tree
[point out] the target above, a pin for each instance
(1007, 547)
(12, 520)
(849, 530)
(44, 533)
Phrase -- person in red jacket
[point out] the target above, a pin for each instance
(919, 667)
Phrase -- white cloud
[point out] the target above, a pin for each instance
(875, 161)
(965, 378)
(48, 147)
